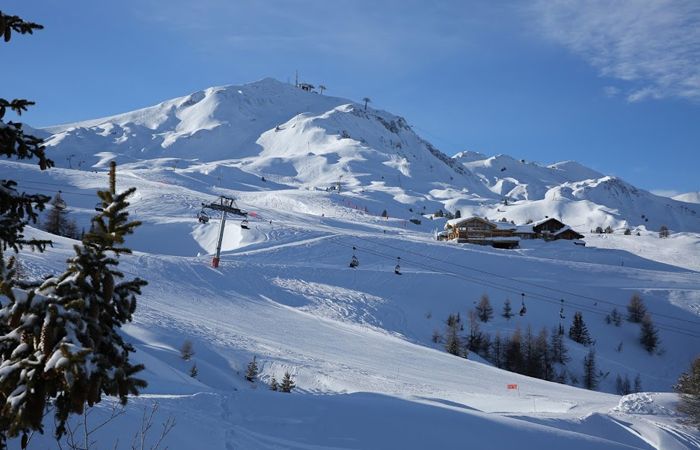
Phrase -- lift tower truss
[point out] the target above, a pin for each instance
(226, 205)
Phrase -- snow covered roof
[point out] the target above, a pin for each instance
(541, 221)
(504, 225)
(565, 228)
(496, 239)
(452, 223)
(524, 229)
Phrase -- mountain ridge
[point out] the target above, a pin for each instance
(301, 139)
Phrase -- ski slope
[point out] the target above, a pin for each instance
(358, 341)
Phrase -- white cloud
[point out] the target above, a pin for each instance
(653, 45)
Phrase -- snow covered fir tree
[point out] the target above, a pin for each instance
(60, 349)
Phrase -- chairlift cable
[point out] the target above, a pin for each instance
(582, 307)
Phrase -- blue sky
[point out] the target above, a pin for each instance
(614, 85)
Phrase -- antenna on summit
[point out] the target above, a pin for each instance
(296, 78)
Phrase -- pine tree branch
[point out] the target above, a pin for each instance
(8, 24)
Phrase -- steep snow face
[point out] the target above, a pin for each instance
(214, 124)
(574, 193)
(273, 130)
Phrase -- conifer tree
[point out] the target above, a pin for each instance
(531, 365)
(618, 385)
(590, 375)
(17, 209)
(543, 356)
(287, 383)
(649, 335)
(194, 371)
(622, 385)
(273, 384)
(497, 351)
(252, 370)
(484, 310)
(513, 357)
(638, 383)
(476, 337)
(507, 310)
(485, 347)
(559, 352)
(616, 317)
(60, 339)
(578, 331)
(636, 309)
(452, 341)
(57, 220)
(688, 388)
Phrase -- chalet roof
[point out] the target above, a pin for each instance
(565, 229)
(505, 226)
(454, 223)
(545, 220)
(495, 239)
(524, 229)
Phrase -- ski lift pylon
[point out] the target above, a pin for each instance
(523, 308)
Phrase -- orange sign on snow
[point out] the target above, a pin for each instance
(512, 386)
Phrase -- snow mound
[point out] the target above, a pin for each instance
(642, 403)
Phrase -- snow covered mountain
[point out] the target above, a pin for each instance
(578, 195)
(360, 343)
(305, 140)
(269, 129)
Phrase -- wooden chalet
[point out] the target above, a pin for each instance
(547, 229)
(477, 230)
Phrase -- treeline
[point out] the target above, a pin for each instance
(543, 354)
